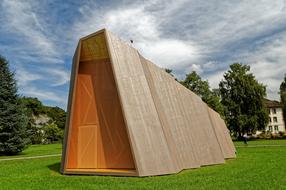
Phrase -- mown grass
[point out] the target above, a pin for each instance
(254, 168)
(36, 150)
(262, 142)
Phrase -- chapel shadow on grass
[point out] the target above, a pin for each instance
(55, 167)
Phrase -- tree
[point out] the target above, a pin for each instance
(13, 121)
(283, 96)
(34, 108)
(243, 98)
(33, 105)
(52, 133)
(58, 115)
(194, 82)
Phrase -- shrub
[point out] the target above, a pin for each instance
(53, 133)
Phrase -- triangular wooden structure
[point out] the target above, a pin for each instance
(128, 117)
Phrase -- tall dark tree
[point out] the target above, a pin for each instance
(243, 98)
(13, 121)
(195, 83)
(283, 96)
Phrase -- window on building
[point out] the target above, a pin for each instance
(274, 110)
(269, 111)
(275, 119)
(270, 128)
(269, 119)
(275, 127)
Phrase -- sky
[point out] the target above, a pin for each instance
(39, 38)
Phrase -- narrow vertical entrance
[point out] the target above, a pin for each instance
(98, 139)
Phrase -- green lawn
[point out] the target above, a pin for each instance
(262, 142)
(254, 168)
(35, 150)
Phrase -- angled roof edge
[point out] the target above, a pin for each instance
(106, 32)
(92, 34)
(71, 97)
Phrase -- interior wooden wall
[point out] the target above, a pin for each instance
(98, 136)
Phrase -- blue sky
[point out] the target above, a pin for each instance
(39, 37)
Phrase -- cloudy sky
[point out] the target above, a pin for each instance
(39, 38)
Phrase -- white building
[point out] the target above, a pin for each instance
(276, 122)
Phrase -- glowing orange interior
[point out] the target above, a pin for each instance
(98, 137)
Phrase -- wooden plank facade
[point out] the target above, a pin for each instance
(126, 116)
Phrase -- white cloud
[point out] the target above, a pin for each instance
(22, 21)
(24, 77)
(36, 52)
(268, 63)
(203, 36)
(58, 76)
(215, 78)
(44, 95)
(183, 35)
(136, 23)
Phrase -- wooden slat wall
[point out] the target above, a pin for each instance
(187, 116)
(181, 116)
(169, 128)
(223, 135)
(151, 151)
(168, 107)
(66, 148)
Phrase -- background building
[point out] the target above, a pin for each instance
(276, 123)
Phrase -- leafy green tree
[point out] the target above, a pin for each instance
(13, 121)
(37, 135)
(283, 96)
(33, 106)
(53, 133)
(58, 115)
(194, 82)
(243, 98)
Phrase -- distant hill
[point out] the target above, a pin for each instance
(46, 123)
(37, 110)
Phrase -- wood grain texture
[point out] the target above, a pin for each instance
(66, 150)
(223, 135)
(185, 117)
(94, 48)
(142, 121)
(148, 141)
(97, 132)
(102, 139)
